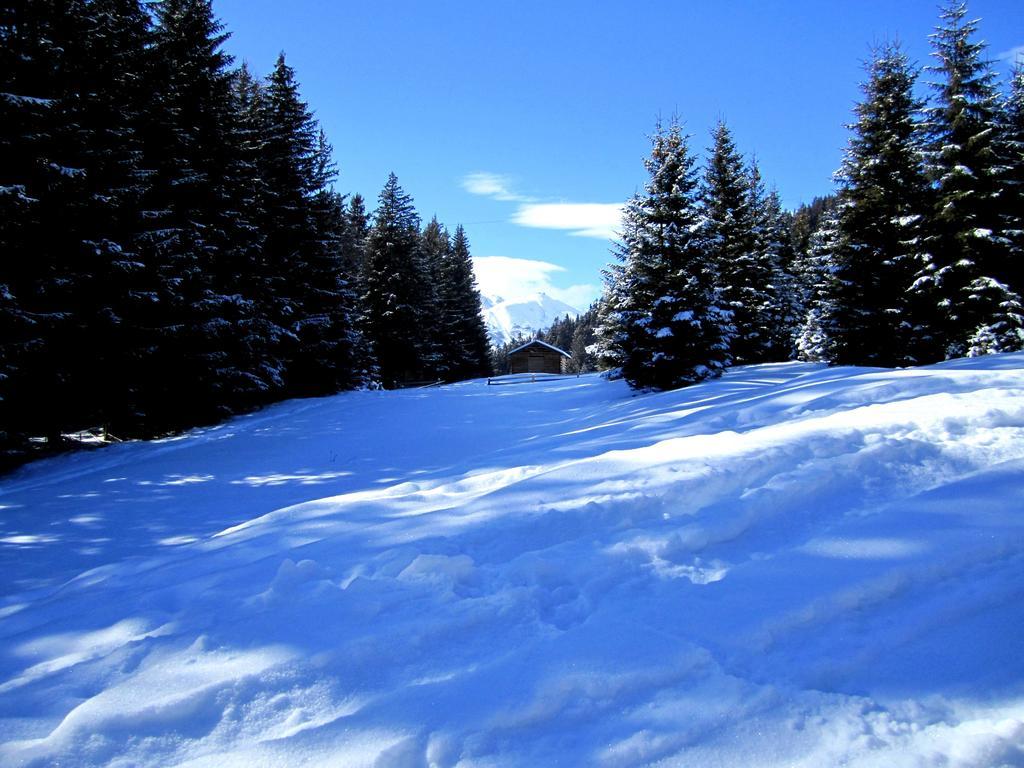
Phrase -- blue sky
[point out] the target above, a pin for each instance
(527, 121)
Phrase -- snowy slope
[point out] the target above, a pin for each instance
(791, 566)
(508, 318)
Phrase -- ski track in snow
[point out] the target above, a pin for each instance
(790, 566)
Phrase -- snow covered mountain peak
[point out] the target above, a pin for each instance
(522, 316)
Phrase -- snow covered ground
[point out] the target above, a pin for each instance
(791, 566)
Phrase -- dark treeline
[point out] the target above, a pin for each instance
(917, 257)
(172, 249)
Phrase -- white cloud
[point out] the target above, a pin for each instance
(512, 278)
(1013, 55)
(492, 185)
(600, 220)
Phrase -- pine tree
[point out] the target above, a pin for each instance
(358, 224)
(463, 328)
(308, 291)
(287, 167)
(184, 332)
(324, 325)
(805, 222)
(71, 103)
(614, 308)
(970, 272)
(329, 340)
(253, 370)
(114, 111)
(559, 333)
(391, 284)
(583, 337)
(774, 243)
(661, 313)
(882, 203)
(292, 165)
(433, 253)
(815, 276)
(1012, 181)
(730, 196)
(40, 178)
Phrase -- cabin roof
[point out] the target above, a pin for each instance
(543, 344)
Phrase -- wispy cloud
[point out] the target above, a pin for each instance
(600, 220)
(512, 278)
(1013, 55)
(493, 185)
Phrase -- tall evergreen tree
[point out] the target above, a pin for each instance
(774, 244)
(358, 224)
(971, 267)
(815, 276)
(183, 333)
(69, 206)
(252, 371)
(308, 292)
(882, 204)
(292, 165)
(616, 305)
(729, 228)
(288, 163)
(583, 338)
(41, 192)
(433, 253)
(114, 110)
(1012, 183)
(463, 329)
(660, 312)
(391, 284)
(329, 339)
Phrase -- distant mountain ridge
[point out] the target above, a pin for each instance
(522, 316)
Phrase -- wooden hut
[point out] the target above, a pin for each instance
(536, 357)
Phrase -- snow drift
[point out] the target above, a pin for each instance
(790, 566)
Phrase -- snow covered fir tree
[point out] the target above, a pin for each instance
(731, 222)
(660, 318)
(971, 273)
(916, 259)
(868, 310)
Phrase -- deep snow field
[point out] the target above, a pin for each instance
(790, 566)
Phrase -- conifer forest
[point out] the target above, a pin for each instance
(174, 248)
(916, 258)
